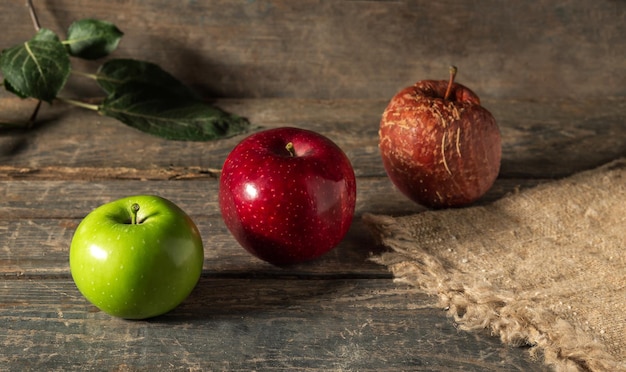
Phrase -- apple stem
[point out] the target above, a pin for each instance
(134, 209)
(290, 149)
(453, 70)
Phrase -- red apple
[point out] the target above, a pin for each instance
(439, 146)
(287, 195)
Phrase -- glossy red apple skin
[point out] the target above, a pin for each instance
(285, 208)
(440, 152)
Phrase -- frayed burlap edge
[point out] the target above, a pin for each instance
(517, 323)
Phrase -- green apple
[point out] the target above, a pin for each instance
(136, 257)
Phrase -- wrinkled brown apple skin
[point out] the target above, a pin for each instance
(440, 152)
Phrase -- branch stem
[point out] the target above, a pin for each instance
(84, 105)
(85, 74)
(33, 15)
(33, 116)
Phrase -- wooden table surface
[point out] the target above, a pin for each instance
(341, 312)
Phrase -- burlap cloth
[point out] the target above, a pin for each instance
(544, 267)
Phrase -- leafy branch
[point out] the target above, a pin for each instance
(138, 93)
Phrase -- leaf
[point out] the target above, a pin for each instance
(170, 116)
(92, 38)
(9, 88)
(39, 68)
(144, 96)
(120, 72)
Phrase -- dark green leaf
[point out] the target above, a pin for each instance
(39, 68)
(170, 116)
(46, 35)
(9, 88)
(92, 38)
(121, 72)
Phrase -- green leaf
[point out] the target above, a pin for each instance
(92, 38)
(39, 68)
(170, 116)
(9, 88)
(121, 72)
(45, 34)
(144, 96)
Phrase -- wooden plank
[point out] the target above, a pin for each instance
(544, 139)
(247, 324)
(317, 64)
(38, 218)
(85, 139)
(37, 199)
(359, 49)
(40, 248)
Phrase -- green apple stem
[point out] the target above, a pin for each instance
(134, 209)
(290, 149)
(453, 70)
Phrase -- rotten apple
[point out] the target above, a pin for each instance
(287, 195)
(439, 146)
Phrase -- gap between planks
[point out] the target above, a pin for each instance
(8, 172)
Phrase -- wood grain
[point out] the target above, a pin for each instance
(38, 219)
(541, 139)
(246, 324)
(550, 72)
(52, 175)
(358, 49)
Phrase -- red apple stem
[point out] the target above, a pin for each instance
(453, 71)
(290, 149)
(134, 209)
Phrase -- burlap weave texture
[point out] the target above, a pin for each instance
(544, 267)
